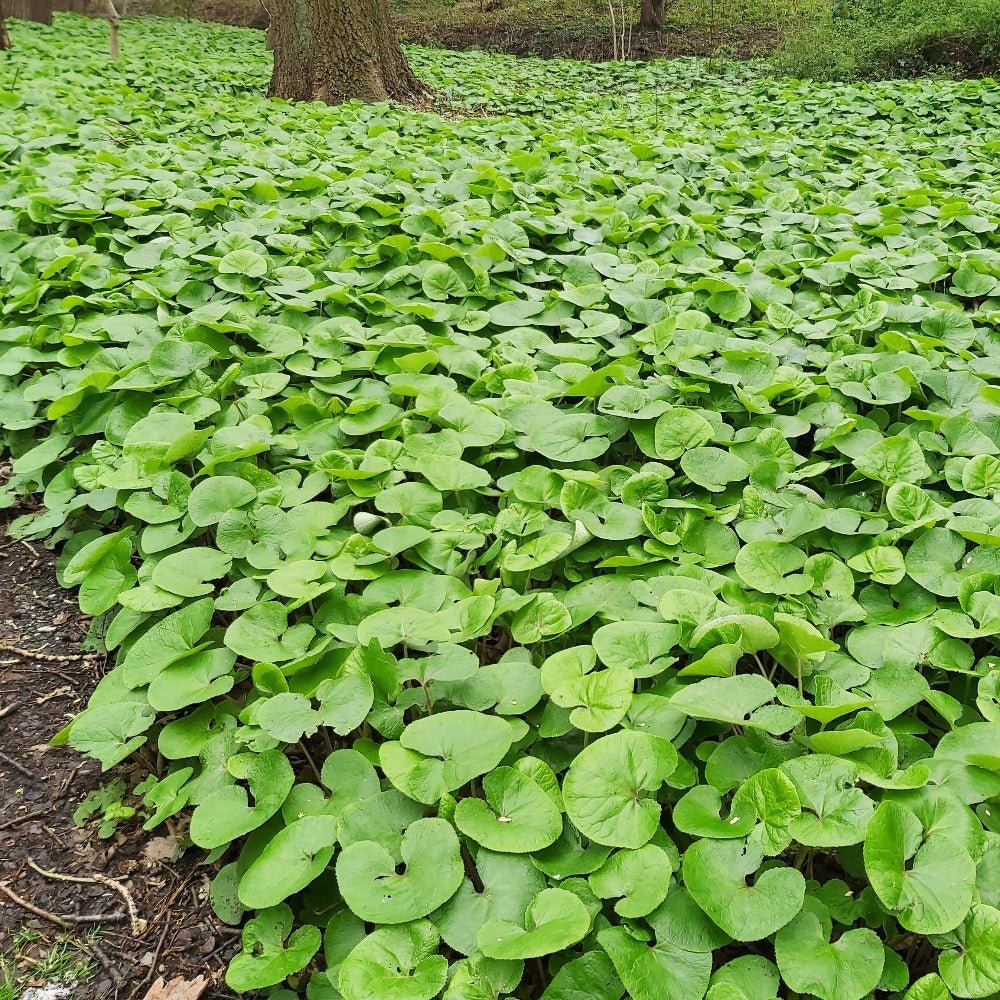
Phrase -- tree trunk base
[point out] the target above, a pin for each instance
(338, 52)
(39, 11)
(651, 15)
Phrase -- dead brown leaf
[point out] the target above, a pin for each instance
(160, 848)
(177, 989)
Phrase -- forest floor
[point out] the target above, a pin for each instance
(45, 679)
(577, 29)
(596, 29)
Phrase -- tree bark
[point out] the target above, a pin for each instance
(30, 10)
(338, 50)
(651, 15)
(114, 21)
(4, 37)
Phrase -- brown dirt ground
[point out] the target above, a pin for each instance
(41, 787)
(579, 41)
(573, 38)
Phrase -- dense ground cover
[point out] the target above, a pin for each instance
(553, 553)
(902, 38)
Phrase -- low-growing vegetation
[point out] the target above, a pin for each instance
(552, 547)
(894, 38)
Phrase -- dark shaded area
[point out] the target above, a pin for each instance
(40, 789)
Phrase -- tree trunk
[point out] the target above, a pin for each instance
(4, 37)
(651, 15)
(114, 21)
(338, 50)
(30, 10)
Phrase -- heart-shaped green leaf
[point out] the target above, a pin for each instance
(395, 963)
(553, 920)
(517, 817)
(165, 642)
(678, 963)
(591, 976)
(972, 968)
(603, 695)
(440, 753)
(715, 873)
(640, 877)
(215, 496)
(481, 978)
(226, 814)
(834, 813)
(608, 787)
(927, 881)
(269, 954)
(698, 812)
(848, 969)
(432, 872)
(929, 987)
(509, 883)
(289, 862)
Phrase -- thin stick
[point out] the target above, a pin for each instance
(95, 918)
(138, 925)
(31, 908)
(16, 764)
(17, 820)
(46, 657)
(165, 907)
(92, 946)
(156, 958)
(95, 949)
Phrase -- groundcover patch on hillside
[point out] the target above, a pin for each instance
(556, 554)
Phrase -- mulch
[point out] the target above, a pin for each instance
(172, 931)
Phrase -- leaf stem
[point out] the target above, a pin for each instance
(312, 763)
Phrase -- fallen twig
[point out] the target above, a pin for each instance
(165, 907)
(16, 764)
(138, 924)
(95, 918)
(156, 958)
(17, 820)
(46, 657)
(31, 908)
(88, 945)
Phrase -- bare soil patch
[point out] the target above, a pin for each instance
(172, 931)
(569, 38)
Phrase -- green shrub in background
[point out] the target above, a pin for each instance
(896, 38)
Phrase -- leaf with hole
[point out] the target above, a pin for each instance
(374, 888)
(395, 963)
